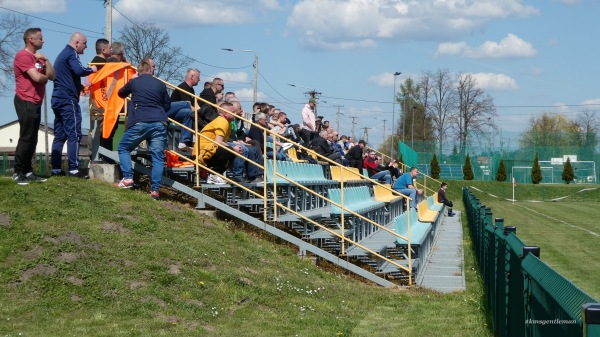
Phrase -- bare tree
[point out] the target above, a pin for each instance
(148, 40)
(588, 125)
(443, 103)
(476, 110)
(12, 28)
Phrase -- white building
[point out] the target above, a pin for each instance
(9, 137)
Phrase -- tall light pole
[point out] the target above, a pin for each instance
(394, 117)
(255, 65)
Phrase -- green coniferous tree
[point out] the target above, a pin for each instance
(467, 169)
(536, 171)
(501, 174)
(435, 168)
(568, 175)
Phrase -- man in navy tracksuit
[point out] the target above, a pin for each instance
(65, 104)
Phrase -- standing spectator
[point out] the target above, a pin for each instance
(442, 198)
(117, 53)
(182, 107)
(309, 129)
(146, 121)
(405, 185)
(32, 72)
(65, 104)
(371, 163)
(355, 155)
(95, 139)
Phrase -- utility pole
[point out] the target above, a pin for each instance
(366, 134)
(314, 94)
(385, 120)
(338, 116)
(108, 4)
(353, 124)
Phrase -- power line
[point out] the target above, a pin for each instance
(188, 57)
(58, 23)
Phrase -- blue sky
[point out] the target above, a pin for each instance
(530, 56)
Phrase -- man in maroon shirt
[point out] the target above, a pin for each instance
(442, 198)
(32, 72)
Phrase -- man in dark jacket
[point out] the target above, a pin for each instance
(355, 155)
(65, 104)
(442, 198)
(146, 121)
(322, 146)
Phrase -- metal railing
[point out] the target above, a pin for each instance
(525, 296)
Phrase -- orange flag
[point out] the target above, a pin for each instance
(104, 87)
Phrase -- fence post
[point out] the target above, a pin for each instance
(591, 319)
(4, 158)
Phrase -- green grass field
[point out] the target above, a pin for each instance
(567, 230)
(82, 258)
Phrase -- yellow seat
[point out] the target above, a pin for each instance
(435, 198)
(384, 193)
(425, 213)
(293, 154)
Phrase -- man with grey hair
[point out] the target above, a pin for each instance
(192, 78)
(182, 106)
(118, 53)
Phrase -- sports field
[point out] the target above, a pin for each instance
(567, 231)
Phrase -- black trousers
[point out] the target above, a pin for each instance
(220, 160)
(29, 115)
(307, 136)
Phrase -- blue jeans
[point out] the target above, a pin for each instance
(383, 176)
(181, 111)
(410, 192)
(239, 164)
(67, 128)
(155, 133)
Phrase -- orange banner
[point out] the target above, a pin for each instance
(104, 87)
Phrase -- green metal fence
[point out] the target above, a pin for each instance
(525, 296)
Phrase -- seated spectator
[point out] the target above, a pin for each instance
(333, 137)
(257, 134)
(342, 143)
(442, 198)
(395, 171)
(355, 155)
(371, 163)
(214, 156)
(405, 185)
(322, 146)
(250, 151)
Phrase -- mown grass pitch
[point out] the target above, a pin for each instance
(567, 231)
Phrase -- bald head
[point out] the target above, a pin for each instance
(79, 42)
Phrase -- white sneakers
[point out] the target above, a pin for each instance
(214, 179)
(286, 146)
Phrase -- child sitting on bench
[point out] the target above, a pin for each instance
(442, 198)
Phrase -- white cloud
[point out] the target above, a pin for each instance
(36, 6)
(510, 46)
(383, 79)
(536, 71)
(592, 101)
(247, 94)
(186, 13)
(343, 23)
(240, 77)
(498, 82)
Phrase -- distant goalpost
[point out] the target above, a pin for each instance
(522, 174)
